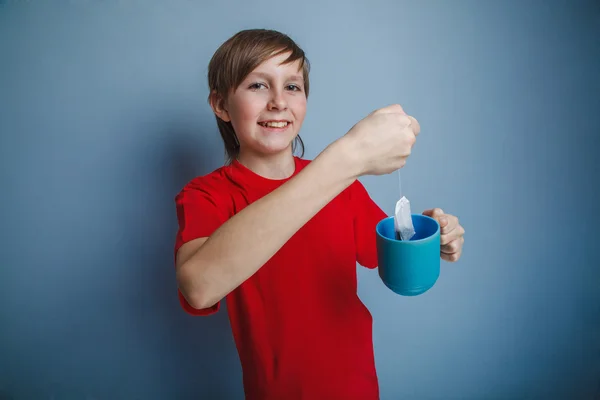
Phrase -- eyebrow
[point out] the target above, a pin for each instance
(296, 77)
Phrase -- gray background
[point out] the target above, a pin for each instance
(103, 118)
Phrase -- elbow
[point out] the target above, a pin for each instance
(194, 293)
(198, 300)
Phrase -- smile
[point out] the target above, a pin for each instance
(274, 124)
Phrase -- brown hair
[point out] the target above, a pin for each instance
(236, 58)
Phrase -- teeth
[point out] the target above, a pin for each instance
(274, 124)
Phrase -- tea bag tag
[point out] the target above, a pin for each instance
(403, 220)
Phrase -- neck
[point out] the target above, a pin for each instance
(270, 166)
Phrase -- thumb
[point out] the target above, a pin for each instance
(437, 214)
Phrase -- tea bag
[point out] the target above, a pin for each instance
(403, 217)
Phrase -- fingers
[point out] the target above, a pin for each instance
(397, 109)
(449, 226)
(450, 257)
(457, 233)
(451, 244)
(451, 234)
(453, 250)
(414, 124)
(453, 247)
(391, 109)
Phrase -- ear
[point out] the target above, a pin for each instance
(217, 103)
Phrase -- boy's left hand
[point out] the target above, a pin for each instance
(451, 235)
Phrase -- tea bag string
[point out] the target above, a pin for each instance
(400, 184)
(397, 230)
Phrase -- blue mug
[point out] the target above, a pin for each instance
(410, 267)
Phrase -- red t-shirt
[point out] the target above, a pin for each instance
(299, 326)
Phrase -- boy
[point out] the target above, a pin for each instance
(279, 237)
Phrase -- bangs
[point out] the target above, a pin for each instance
(246, 51)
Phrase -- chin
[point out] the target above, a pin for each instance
(276, 144)
(274, 148)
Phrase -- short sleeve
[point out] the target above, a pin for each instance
(367, 215)
(199, 213)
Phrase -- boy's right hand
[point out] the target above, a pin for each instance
(381, 142)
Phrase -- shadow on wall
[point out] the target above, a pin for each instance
(193, 357)
(103, 319)
(199, 352)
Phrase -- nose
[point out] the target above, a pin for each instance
(277, 101)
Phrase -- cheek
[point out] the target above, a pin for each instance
(298, 105)
(246, 109)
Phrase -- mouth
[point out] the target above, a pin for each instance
(275, 124)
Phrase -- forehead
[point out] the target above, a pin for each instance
(275, 66)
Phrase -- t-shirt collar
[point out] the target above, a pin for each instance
(250, 177)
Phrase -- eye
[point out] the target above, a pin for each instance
(257, 86)
(294, 88)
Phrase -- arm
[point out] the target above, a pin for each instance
(208, 269)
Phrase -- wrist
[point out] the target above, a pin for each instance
(344, 157)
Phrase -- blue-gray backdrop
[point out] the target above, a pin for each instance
(103, 118)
